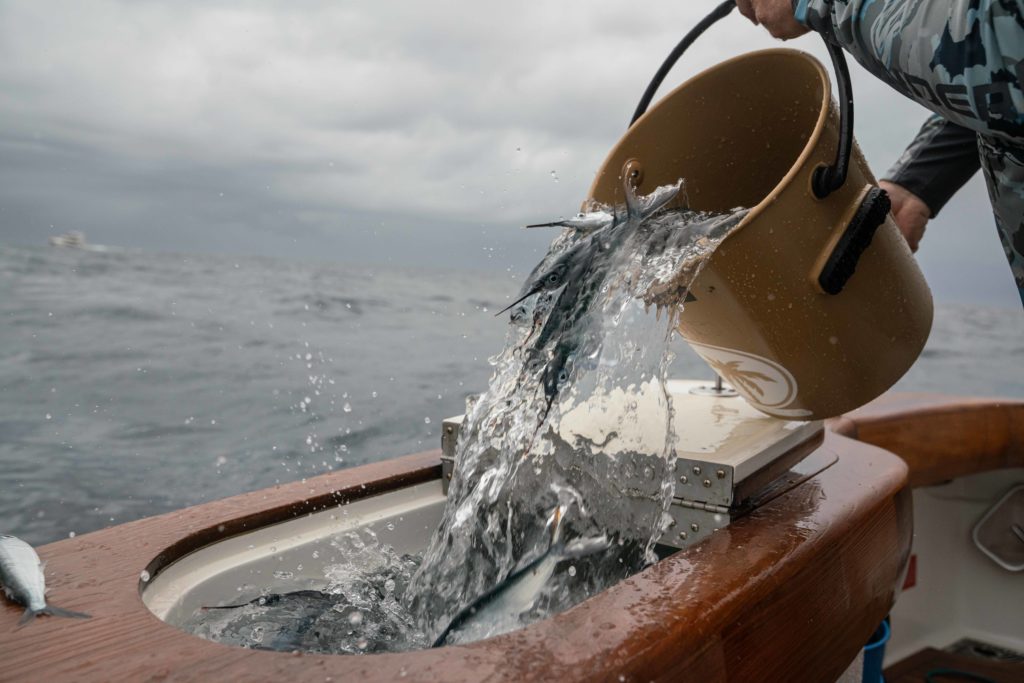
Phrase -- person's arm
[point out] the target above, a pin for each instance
(937, 163)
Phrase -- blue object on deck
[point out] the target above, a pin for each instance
(874, 652)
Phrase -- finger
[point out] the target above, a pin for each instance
(790, 32)
(913, 236)
(779, 20)
(747, 9)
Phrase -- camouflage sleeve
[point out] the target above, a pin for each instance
(963, 59)
(937, 163)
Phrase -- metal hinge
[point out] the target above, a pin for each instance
(704, 507)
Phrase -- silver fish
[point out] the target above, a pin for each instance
(646, 206)
(582, 222)
(21, 574)
(520, 590)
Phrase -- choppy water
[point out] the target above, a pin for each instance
(136, 383)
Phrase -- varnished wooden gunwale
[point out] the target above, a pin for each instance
(941, 437)
(791, 590)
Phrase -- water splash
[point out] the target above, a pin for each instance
(577, 418)
(564, 467)
(360, 610)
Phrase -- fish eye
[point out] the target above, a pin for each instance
(554, 277)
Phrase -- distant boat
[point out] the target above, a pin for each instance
(75, 240)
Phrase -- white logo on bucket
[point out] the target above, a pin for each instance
(764, 383)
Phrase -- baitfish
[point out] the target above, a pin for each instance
(21, 574)
(566, 267)
(520, 590)
(581, 222)
(579, 274)
(592, 221)
(274, 599)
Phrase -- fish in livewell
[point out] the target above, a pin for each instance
(21, 574)
(519, 591)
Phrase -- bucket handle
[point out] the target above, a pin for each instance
(827, 179)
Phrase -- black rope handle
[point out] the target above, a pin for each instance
(827, 179)
(707, 22)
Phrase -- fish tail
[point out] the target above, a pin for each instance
(27, 616)
(59, 612)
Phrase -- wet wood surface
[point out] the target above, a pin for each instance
(941, 437)
(789, 592)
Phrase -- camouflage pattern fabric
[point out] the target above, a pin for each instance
(964, 60)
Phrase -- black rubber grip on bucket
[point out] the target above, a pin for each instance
(842, 262)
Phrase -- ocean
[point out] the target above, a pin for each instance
(134, 383)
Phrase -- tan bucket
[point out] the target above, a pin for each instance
(751, 132)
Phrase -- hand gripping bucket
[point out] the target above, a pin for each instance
(814, 305)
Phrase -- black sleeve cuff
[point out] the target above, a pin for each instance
(937, 163)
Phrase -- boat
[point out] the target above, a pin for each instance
(76, 240)
(787, 580)
(71, 240)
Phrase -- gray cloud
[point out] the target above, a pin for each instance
(402, 131)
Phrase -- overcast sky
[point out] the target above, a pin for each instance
(402, 132)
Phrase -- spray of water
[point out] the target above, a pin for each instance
(573, 438)
(564, 467)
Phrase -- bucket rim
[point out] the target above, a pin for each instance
(798, 165)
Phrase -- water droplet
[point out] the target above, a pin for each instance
(572, 570)
(347, 407)
(49, 417)
(356, 618)
(144, 576)
(362, 644)
(283, 575)
(71, 534)
(426, 420)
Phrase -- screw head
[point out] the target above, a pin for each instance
(682, 535)
(707, 483)
(683, 479)
(720, 474)
(696, 470)
(695, 527)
